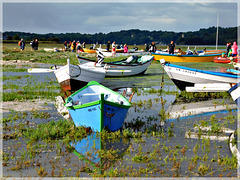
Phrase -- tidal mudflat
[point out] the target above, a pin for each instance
(39, 142)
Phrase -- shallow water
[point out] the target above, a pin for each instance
(168, 154)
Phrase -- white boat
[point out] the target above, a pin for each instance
(53, 49)
(189, 77)
(74, 77)
(130, 66)
(235, 93)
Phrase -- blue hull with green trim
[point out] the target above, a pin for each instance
(98, 107)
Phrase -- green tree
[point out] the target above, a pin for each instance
(16, 37)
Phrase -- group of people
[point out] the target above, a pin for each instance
(232, 50)
(152, 47)
(33, 44)
(114, 47)
(74, 46)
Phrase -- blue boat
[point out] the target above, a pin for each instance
(235, 93)
(98, 107)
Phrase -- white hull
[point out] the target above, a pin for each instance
(235, 93)
(80, 73)
(196, 77)
(118, 69)
(184, 77)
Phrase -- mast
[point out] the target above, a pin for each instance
(217, 31)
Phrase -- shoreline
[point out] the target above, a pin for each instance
(28, 105)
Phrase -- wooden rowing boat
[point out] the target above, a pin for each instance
(235, 93)
(226, 59)
(185, 58)
(189, 77)
(90, 51)
(73, 77)
(126, 67)
(98, 107)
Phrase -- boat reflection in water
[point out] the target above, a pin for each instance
(187, 110)
(100, 152)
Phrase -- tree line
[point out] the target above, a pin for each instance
(135, 36)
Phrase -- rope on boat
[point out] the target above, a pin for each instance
(76, 75)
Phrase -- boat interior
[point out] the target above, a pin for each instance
(93, 93)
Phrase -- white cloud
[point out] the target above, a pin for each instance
(107, 17)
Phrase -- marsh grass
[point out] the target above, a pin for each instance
(28, 142)
(184, 96)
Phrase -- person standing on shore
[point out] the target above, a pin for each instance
(32, 45)
(152, 47)
(229, 46)
(65, 45)
(113, 49)
(84, 45)
(146, 47)
(125, 48)
(22, 45)
(108, 46)
(234, 49)
(35, 44)
(171, 48)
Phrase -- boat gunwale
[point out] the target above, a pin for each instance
(97, 70)
(93, 103)
(234, 88)
(185, 55)
(128, 105)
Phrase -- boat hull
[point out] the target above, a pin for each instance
(116, 70)
(186, 77)
(226, 60)
(185, 58)
(97, 107)
(73, 77)
(90, 51)
(113, 117)
(235, 93)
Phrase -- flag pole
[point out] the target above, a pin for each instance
(217, 31)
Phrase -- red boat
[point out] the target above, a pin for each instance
(226, 59)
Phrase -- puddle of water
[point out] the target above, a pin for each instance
(167, 152)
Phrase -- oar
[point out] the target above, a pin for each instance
(40, 70)
(130, 99)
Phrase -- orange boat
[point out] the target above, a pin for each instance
(91, 51)
(226, 59)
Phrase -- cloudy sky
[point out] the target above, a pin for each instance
(42, 16)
